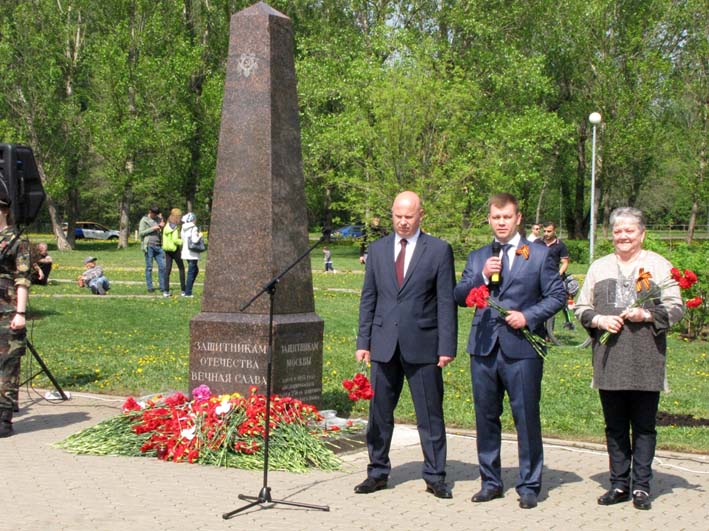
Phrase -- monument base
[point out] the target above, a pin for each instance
(228, 353)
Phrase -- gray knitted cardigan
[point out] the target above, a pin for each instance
(633, 359)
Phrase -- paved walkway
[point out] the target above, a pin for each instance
(47, 488)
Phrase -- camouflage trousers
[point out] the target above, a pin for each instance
(12, 347)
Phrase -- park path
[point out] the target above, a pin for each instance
(47, 488)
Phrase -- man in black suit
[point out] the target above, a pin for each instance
(501, 358)
(408, 328)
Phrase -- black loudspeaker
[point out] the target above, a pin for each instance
(20, 182)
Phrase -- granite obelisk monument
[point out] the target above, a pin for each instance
(258, 225)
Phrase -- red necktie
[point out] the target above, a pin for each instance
(399, 264)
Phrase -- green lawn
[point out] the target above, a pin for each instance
(140, 345)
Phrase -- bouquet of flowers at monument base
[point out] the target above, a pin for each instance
(224, 430)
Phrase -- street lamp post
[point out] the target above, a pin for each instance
(595, 119)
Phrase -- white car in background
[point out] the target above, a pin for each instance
(91, 230)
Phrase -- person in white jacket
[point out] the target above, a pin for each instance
(190, 232)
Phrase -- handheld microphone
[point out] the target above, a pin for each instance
(496, 278)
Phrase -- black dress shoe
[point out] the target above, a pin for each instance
(370, 485)
(439, 489)
(641, 500)
(527, 500)
(614, 496)
(486, 494)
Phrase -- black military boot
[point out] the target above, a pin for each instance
(5, 422)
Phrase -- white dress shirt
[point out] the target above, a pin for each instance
(410, 246)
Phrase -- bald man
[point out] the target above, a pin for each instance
(407, 330)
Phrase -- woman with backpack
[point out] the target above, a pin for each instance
(192, 241)
(172, 245)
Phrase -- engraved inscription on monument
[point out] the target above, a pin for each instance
(298, 369)
(220, 362)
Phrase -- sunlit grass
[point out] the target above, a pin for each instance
(134, 343)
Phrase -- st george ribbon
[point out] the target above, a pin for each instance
(258, 225)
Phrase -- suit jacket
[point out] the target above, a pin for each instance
(533, 286)
(421, 316)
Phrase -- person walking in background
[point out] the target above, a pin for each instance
(629, 368)
(14, 292)
(501, 358)
(172, 245)
(93, 277)
(327, 257)
(535, 232)
(560, 254)
(408, 328)
(557, 249)
(190, 233)
(149, 230)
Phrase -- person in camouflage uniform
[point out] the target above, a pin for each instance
(15, 274)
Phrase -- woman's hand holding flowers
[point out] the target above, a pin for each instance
(609, 323)
(636, 315)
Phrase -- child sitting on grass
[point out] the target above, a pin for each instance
(93, 278)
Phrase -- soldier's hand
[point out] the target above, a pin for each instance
(18, 322)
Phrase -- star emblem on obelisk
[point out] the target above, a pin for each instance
(247, 64)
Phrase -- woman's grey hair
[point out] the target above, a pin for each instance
(628, 213)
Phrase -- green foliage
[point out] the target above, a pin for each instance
(456, 100)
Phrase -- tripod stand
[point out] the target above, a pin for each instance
(264, 495)
(45, 370)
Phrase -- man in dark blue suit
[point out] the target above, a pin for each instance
(408, 328)
(501, 358)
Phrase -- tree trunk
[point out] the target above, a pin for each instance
(65, 242)
(127, 192)
(538, 210)
(576, 221)
(701, 171)
(124, 210)
(62, 243)
(327, 213)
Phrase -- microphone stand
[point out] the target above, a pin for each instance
(264, 495)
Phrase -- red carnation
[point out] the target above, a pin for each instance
(367, 393)
(478, 297)
(359, 387)
(360, 380)
(676, 274)
(696, 302)
(691, 276)
(130, 405)
(176, 399)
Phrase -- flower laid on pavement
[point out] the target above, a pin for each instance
(479, 298)
(226, 430)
